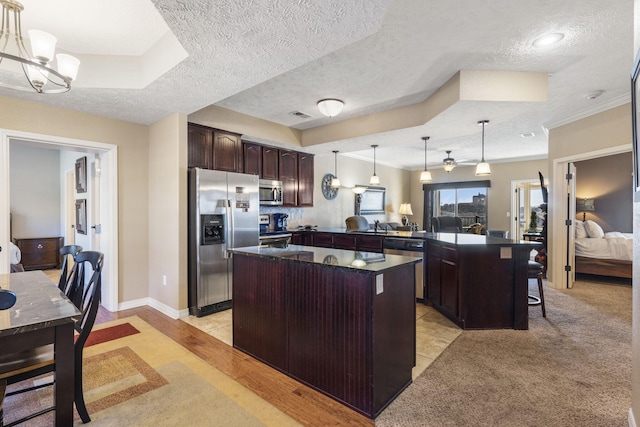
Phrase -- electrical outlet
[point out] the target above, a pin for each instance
(164, 280)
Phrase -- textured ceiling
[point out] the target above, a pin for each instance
(270, 58)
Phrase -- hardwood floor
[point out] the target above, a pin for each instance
(300, 402)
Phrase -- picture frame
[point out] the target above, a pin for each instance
(372, 201)
(81, 175)
(81, 216)
(635, 123)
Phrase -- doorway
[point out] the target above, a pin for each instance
(107, 241)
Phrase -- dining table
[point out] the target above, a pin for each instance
(42, 315)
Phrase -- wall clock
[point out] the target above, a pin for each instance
(328, 191)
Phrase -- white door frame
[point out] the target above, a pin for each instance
(558, 205)
(109, 214)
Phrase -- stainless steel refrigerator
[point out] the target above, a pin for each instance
(223, 214)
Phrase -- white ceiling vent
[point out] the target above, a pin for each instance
(300, 114)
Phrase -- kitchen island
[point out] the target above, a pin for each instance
(340, 321)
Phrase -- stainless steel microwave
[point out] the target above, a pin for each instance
(270, 192)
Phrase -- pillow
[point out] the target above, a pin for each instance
(581, 233)
(593, 229)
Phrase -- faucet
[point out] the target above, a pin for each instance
(376, 224)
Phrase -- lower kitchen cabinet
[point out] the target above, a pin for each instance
(40, 253)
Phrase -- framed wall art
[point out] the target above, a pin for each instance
(371, 201)
(81, 216)
(81, 175)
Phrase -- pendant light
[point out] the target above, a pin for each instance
(374, 180)
(335, 182)
(425, 175)
(483, 168)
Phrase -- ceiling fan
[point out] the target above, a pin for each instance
(449, 162)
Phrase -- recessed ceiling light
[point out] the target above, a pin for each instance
(548, 39)
(528, 135)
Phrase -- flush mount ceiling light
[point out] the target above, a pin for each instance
(374, 180)
(335, 182)
(594, 94)
(483, 168)
(425, 175)
(330, 107)
(449, 162)
(548, 39)
(36, 66)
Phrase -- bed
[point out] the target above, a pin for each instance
(15, 256)
(605, 254)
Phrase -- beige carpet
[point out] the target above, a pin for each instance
(146, 379)
(571, 369)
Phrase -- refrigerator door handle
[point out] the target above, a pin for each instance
(229, 227)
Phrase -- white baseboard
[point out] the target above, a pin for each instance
(632, 421)
(151, 302)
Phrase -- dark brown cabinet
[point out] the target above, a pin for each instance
(344, 241)
(288, 165)
(200, 147)
(252, 158)
(305, 179)
(369, 243)
(40, 253)
(323, 240)
(227, 151)
(302, 238)
(217, 149)
(270, 160)
(443, 289)
(210, 148)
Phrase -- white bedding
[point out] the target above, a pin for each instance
(14, 254)
(614, 245)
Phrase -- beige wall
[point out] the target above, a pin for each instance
(502, 174)
(132, 141)
(168, 212)
(332, 213)
(593, 134)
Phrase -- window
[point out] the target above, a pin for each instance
(467, 200)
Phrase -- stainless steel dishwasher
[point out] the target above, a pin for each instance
(408, 247)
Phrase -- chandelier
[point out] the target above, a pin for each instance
(37, 65)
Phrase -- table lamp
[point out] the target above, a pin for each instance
(405, 209)
(584, 205)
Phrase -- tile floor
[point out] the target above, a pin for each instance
(434, 333)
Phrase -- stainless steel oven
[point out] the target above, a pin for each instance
(275, 240)
(270, 192)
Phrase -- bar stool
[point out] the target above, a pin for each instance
(535, 271)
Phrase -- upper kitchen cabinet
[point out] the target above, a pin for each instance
(270, 161)
(227, 151)
(288, 167)
(305, 179)
(252, 158)
(210, 148)
(200, 147)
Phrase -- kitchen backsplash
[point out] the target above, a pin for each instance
(295, 214)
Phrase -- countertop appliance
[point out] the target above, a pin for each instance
(223, 214)
(270, 192)
(408, 247)
(279, 221)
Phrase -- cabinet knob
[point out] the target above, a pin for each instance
(40, 246)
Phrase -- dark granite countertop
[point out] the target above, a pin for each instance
(39, 303)
(327, 257)
(453, 238)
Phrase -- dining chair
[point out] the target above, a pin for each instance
(447, 224)
(85, 294)
(68, 254)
